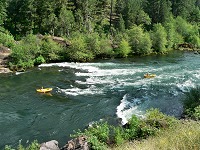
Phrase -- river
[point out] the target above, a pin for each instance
(109, 90)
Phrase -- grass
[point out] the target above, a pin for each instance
(184, 136)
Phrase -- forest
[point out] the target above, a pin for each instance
(95, 29)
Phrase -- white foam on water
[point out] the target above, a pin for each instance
(126, 109)
(77, 91)
(82, 66)
(109, 72)
(185, 86)
(197, 74)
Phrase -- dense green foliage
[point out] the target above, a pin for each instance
(192, 104)
(95, 29)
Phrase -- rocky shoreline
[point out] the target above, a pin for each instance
(4, 53)
(79, 143)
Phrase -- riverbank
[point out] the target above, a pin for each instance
(4, 53)
(185, 136)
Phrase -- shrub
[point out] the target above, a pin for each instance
(169, 25)
(124, 49)
(191, 103)
(93, 43)
(78, 50)
(119, 135)
(196, 114)
(39, 60)
(192, 98)
(157, 119)
(189, 32)
(24, 52)
(106, 50)
(133, 128)
(6, 39)
(100, 130)
(159, 38)
(97, 135)
(195, 40)
(139, 40)
(50, 50)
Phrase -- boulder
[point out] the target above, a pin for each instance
(4, 54)
(79, 143)
(51, 145)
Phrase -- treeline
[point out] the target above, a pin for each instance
(96, 29)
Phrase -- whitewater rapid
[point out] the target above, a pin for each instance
(137, 93)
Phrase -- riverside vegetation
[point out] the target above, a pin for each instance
(155, 131)
(95, 29)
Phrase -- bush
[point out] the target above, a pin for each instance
(119, 134)
(51, 51)
(78, 50)
(192, 98)
(97, 135)
(172, 40)
(189, 32)
(157, 119)
(139, 40)
(24, 52)
(195, 40)
(191, 103)
(159, 38)
(196, 114)
(124, 49)
(93, 43)
(133, 129)
(39, 60)
(6, 39)
(106, 50)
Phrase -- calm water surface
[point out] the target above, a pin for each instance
(84, 92)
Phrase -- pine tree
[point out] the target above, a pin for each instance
(66, 22)
(183, 8)
(158, 10)
(20, 17)
(3, 5)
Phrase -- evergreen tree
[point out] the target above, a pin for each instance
(121, 24)
(183, 8)
(50, 24)
(66, 22)
(3, 15)
(158, 10)
(20, 17)
(43, 9)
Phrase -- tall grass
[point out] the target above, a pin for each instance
(184, 136)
